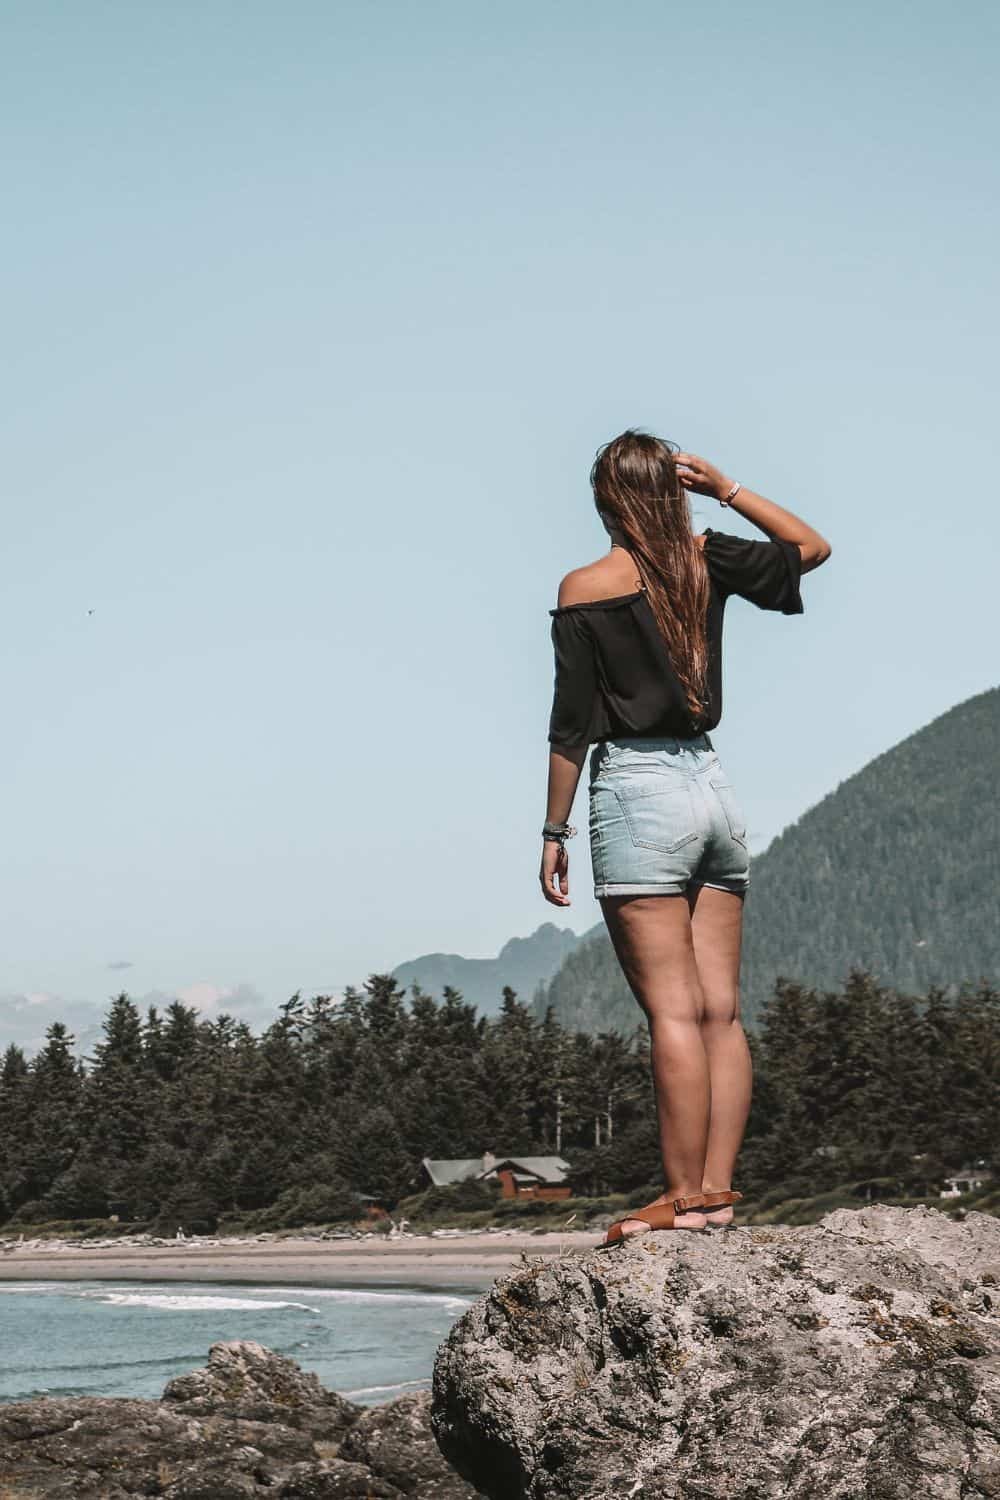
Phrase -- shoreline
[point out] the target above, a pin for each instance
(462, 1261)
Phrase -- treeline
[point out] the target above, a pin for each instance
(869, 1085)
(179, 1120)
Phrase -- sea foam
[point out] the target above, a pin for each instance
(356, 1294)
(179, 1302)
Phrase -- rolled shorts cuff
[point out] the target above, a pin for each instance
(737, 887)
(651, 888)
(675, 888)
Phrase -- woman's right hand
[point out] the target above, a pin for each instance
(555, 873)
(699, 475)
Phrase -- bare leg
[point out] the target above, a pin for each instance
(652, 938)
(717, 931)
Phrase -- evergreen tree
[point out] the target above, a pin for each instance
(179, 1043)
(373, 1158)
(508, 1054)
(15, 1130)
(119, 1114)
(54, 1093)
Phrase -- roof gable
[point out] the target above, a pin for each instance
(446, 1171)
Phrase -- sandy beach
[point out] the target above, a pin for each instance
(473, 1260)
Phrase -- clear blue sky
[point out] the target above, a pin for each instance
(314, 318)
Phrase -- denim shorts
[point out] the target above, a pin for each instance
(663, 817)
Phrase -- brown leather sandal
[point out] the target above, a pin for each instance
(721, 1199)
(657, 1216)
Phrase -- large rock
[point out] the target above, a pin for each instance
(250, 1423)
(853, 1359)
(243, 1379)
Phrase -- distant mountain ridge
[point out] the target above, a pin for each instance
(522, 963)
(896, 870)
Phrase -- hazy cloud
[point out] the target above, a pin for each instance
(205, 996)
(121, 963)
(25, 1015)
(211, 999)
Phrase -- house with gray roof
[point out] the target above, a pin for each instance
(518, 1176)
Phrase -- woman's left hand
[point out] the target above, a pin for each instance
(554, 873)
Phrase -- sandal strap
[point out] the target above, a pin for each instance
(721, 1199)
(656, 1215)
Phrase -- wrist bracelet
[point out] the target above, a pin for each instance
(731, 496)
(558, 833)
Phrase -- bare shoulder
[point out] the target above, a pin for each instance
(597, 580)
(607, 578)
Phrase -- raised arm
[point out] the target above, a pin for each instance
(703, 478)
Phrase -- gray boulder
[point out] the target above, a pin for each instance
(243, 1379)
(853, 1359)
(250, 1423)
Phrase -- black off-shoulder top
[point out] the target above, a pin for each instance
(613, 677)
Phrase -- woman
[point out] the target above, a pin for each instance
(637, 637)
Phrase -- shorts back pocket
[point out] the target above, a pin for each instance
(658, 812)
(726, 794)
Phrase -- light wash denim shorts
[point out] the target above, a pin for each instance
(663, 817)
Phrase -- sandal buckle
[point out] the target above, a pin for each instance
(685, 1205)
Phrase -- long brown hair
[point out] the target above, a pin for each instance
(634, 479)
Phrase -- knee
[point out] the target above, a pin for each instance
(721, 1014)
(673, 1031)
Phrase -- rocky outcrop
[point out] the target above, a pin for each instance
(853, 1359)
(250, 1423)
(249, 1383)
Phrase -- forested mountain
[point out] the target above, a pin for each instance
(176, 1120)
(522, 963)
(589, 992)
(897, 871)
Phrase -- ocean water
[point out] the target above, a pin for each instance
(100, 1338)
